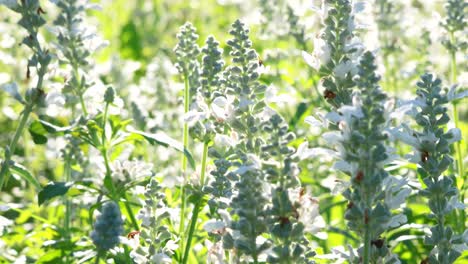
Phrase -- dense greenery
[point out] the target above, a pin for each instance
(233, 131)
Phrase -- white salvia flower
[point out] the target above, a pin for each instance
(344, 68)
(161, 258)
(320, 56)
(456, 135)
(214, 226)
(131, 169)
(304, 152)
(308, 211)
(395, 192)
(452, 95)
(314, 121)
(215, 253)
(134, 240)
(332, 137)
(335, 185)
(199, 111)
(223, 142)
(222, 108)
(454, 203)
(321, 8)
(267, 113)
(55, 98)
(396, 221)
(171, 246)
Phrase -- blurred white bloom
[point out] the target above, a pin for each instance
(4, 223)
(267, 113)
(222, 108)
(4, 77)
(129, 170)
(94, 100)
(304, 152)
(453, 95)
(214, 226)
(7, 41)
(223, 142)
(55, 98)
(320, 56)
(199, 111)
(313, 121)
(161, 258)
(171, 246)
(344, 68)
(332, 137)
(215, 252)
(133, 240)
(308, 210)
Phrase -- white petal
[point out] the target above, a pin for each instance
(456, 135)
(214, 225)
(397, 220)
(332, 137)
(311, 60)
(313, 121)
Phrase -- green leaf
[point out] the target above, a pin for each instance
(53, 189)
(21, 171)
(38, 132)
(53, 129)
(161, 138)
(301, 109)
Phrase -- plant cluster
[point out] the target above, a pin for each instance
(103, 134)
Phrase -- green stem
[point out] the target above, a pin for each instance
(203, 165)
(193, 220)
(184, 162)
(67, 222)
(104, 121)
(366, 245)
(458, 150)
(193, 225)
(130, 213)
(98, 256)
(4, 173)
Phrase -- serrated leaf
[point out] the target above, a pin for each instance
(162, 139)
(21, 171)
(53, 189)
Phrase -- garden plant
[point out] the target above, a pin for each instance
(234, 131)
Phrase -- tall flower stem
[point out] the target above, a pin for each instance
(196, 211)
(184, 161)
(68, 209)
(4, 172)
(459, 156)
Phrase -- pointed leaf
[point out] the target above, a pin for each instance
(161, 138)
(21, 171)
(53, 189)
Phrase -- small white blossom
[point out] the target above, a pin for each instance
(214, 226)
(161, 258)
(320, 56)
(222, 108)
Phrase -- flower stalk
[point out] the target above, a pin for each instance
(32, 21)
